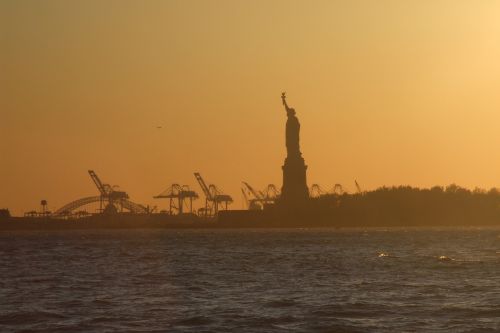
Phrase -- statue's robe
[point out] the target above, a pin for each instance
(292, 136)
(294, 192)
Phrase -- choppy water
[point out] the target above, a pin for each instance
(251, 281)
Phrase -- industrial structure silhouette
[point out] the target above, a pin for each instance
(180, 197)
(112, 201)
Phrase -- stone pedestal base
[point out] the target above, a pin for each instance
(294, 190)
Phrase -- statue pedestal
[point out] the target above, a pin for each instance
(294, 190)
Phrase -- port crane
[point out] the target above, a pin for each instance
(257, 200)
(245, 199)
(214, 198)
(358, 187)
(179, 196)
(317, 191)
(271, 193)
(109, 198)
(338, 189)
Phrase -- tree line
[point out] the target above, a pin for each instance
(410, 206)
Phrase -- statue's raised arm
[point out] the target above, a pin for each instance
(283, 98)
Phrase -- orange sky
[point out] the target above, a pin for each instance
(387, 92)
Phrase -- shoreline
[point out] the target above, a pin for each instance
(145, 222)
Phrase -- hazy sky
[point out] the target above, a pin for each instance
(387, 92)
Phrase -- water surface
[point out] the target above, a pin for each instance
(298, 280)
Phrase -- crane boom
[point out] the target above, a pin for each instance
(203, 186)
(245, 197)
(256, 194)
(213, 197)
(97, 182)
(357, 186)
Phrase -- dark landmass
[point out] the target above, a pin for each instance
(4, 213)
(409, 206)
(402, 206)
(384, 207)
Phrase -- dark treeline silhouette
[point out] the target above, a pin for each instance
(4, 213)
(409, 206)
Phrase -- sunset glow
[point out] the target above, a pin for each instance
(388, 93)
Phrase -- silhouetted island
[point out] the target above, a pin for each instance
(402, 206)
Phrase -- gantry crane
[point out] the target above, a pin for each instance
(271, 193)
(178, 195)
(214, 198)
(338, 189)
(108, 194)
(317, 191)
(257, 200)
